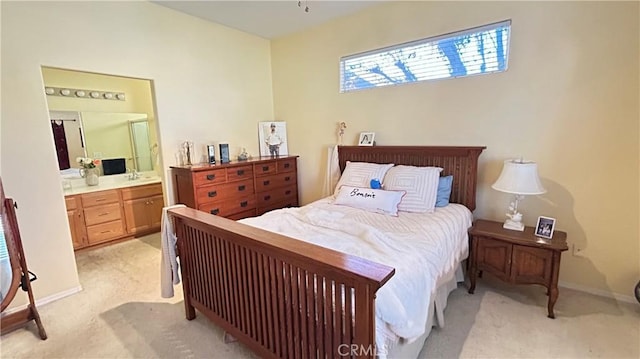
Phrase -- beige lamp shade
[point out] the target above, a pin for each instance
(520, 178)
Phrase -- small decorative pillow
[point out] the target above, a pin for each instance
(372, 200)
(360, 174)
(444, 191)
(421, 184)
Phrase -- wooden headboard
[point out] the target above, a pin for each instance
(461, 162)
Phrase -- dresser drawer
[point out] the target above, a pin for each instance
(104, 232)
(224, 191)
(271, 182)
(239, 173)
(98, 198)
(266, 199)
(263, 169)
(241, 215)
(286, 165)
(141, 191)
(204, 178)
(229, 207)
(292, 202)
(102, 214)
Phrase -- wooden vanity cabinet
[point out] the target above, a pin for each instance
(103, 216)
(75, 215)
(142, 208)
(238, 190)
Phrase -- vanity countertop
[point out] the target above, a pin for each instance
(110, 182)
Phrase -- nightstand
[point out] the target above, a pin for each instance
(516, 257)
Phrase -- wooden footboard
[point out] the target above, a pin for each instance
(282, 297)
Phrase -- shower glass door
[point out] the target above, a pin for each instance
(141, 145)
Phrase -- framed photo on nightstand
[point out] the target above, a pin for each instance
(545, 227)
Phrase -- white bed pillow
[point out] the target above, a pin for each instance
(372, 200)
(420, 183)
(360, 174)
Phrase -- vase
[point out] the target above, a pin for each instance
(91, 176)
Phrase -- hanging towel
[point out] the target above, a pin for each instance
(169, 275)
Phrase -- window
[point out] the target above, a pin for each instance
(480, 50)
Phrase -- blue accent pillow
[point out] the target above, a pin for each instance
(375, 184)
(444, 191)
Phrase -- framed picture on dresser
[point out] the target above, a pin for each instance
(545, 227)
(273, 139)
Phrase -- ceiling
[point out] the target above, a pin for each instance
(268, 19)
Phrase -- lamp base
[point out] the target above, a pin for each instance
(513, 225)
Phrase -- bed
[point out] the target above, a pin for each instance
(285, 297)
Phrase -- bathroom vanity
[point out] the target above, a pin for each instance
(114, 210)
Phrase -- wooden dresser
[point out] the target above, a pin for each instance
(103, 216)
(238, 190)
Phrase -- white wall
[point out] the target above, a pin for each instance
(210, 83)
(569, 100)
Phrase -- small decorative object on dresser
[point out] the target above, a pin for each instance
(545, 227)
(366, 138)
(516, 257)
(224, 153)
(273, 139)
(211, 154)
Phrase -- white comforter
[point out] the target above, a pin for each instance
(421, 247)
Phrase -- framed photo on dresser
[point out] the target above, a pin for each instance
(545, 227)
(273, 139)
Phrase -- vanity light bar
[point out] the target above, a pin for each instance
(80, 93)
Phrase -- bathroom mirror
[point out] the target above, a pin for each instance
(102, 135)
(101, 126)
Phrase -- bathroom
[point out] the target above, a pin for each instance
(105, 134)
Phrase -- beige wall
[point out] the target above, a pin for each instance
(210, 82)
(569, 101)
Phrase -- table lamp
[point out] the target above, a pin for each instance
(519, 178)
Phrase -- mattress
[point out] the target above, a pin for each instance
(422, 247)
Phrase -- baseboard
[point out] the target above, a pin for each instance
(599, 292)
(46, 300)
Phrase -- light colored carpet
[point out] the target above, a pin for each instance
(120, 314)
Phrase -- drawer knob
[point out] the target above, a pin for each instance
(242, 188)
(212, 193)
(267, 197)
(211, 177)
(244, 203)
(100, 199)
(215, 211)
(103, 214)
(287, 179)
(286, 165)
(288, 192)
(103, 232)
(240, 172)
(265, 168)
(266, 183)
